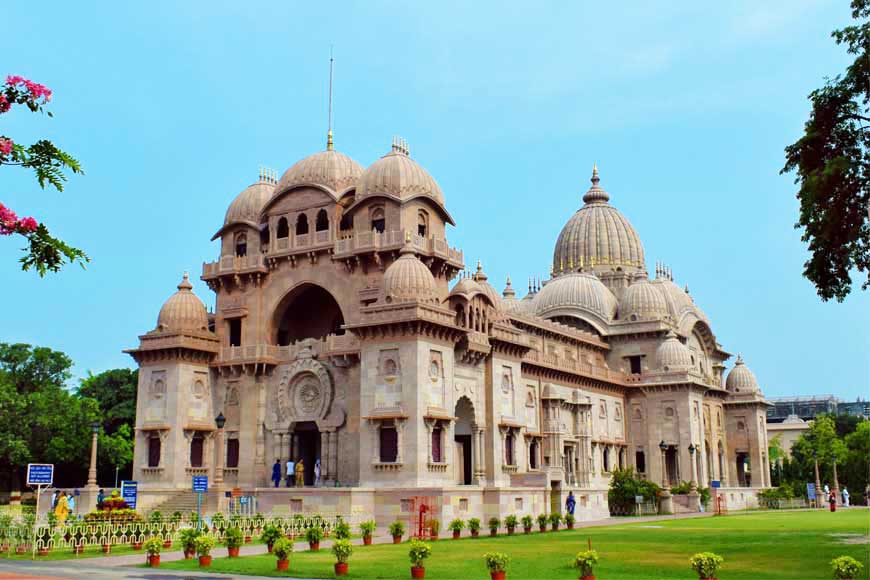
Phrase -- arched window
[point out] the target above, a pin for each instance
(154, 451)
(196, 445)
(607, 459)
(509, 454)
(422, 223)
(379, 224)
(232, 453)
(264, 237)
(533, 454)
(436, 444)
(301, 224)
(322, 223)
(241, 245)
(346, 223)
(283, 228)
(389, 443)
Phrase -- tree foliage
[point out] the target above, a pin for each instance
(832, 162)
(624, 486)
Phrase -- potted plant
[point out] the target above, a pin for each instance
(342, 531)
(555, 520)
(397, 530)
(434, 526)
(569, 521)
(510, 522)
(204, 545)
(342, 550)
(497, 563)
(542, 522)
(846, 567)
(585, 561)
(282, 548)
(367, 529)
(527, 524)
(456, 526)
(233, 540)
(474, 527)
(270, 535)
(167, 541)
(314, 534)
(418, 553)
(188, 538)
(152, 548)
(494, 524)
(706, 564)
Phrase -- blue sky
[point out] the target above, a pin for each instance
(685, 107)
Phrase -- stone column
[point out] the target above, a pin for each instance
(92, 469)
(325, 437)
(219, 460)
(284, 453)
(430, 425)
(666, 503)
(479, 464)
(333, 455)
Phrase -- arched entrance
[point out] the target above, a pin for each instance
(306, 438)
(308, 311)
(671, 468)
(463, 440)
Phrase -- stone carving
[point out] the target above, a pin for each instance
(305, 392)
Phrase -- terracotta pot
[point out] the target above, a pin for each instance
(167, 543)
(555, 527)
(283, 565)
(527, 530)
(340, 568)
(107, 548)
(154, 560)
(137, 545)
(500, 575)
(475, 533)
(20, 549)
(493, 533)
(42, 552)
(367, 540)
(456, 535)
(247, 539)
(397, 539)
(510, 531)
(571, 526)
(188, 554)
(418, 572)
(233, 552)
(542, 529)
(314, 546)
(269, 548)
(587, 577)
(205, 561)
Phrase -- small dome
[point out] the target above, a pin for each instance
(330, 169)
(642, 301)
(183, 311)
(741, 379)
(398, 176)
(467, 288)
(408, 279)
(481, 278)
(565, 295)
(597, 235)
(678, 302)
(509, 299)
(673, 355)
(247, 206)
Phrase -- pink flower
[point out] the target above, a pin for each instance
(14, 80)
(5, 146)
(4, 104)
(28, 224)
(36, 90)
(10, 224)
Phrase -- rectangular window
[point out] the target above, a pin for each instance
(154, 451)
(233, 453)
(436, 445)
(235, 331)
(509, 449)
(634, 362)
(389, 440)
(196, 445)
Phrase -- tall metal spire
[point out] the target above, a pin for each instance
(329, 133)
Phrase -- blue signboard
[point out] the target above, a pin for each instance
(811, 490)
(200, 483)
(130, 492)
(715, 483)
(40, 473)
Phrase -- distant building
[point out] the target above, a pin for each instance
(807, 407)
(788, 431)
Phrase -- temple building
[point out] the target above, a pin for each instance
(348, 334)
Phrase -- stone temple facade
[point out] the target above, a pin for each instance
(347, 333)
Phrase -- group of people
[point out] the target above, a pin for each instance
(831, 496)
(63, 504)
(295, 473)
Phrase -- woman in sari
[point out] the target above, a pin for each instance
(61, 511)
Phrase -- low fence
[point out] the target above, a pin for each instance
(784, 504)
(647, 508)
(24, 534)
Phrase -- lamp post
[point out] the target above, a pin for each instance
(666, 506)
(92, 470)
(694, 496)
(819, 500)
(220, 421)
(836, 481)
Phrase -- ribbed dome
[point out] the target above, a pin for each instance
(331, 169)
(741, 379)
(248, 204)
(398, 176)
(482, 279)
(673, 355)
(409, 279)
(678, 302)
(642, 301)
(598, 235)
(183, 311)
(566, 294)
(509, 300)
(466, 287)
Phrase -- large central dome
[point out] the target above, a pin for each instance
(598, 237)
(330, 169)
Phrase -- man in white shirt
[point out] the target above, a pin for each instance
(291, 473)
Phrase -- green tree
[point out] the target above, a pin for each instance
(832, 162)
(45, 252)
(115, 393)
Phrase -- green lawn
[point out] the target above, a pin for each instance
(785, 545)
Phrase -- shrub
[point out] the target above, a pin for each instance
(153, 546)
(270, 535)
(204, 545)
(706, 564)
(624, 486)
(282, 548)
(555, 519)
(314, 534)
(155, 517)
(233, 537)
(496, 561)
(494, 524)
(176, 517)
(846, 567)
(570, 519)
(585, 561)
(510, 522)
(368, 528)
(419, 552)
(527, 521)
(397, 528)
(188, 538)
(342, 550)
(456, 525)
(434, 526)
(474, 524)
(341, 531)
(542, 520)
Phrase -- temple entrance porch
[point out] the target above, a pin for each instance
(306, 439)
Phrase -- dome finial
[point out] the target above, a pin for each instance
(595, 193)
(185, 282)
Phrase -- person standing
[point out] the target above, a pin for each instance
(276, 472)
(832, 499)
(570, 503)
(54, 497)
(291, 473)
(71, 503)
(317, 472)
(101, 495)
(61, 511)
(300, 474)
(845, 497)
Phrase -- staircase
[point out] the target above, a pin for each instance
(181, 501)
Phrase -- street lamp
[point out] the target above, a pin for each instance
(665, 479)
(92, 470)
(692, 486)
(666, 505)
(220, 421)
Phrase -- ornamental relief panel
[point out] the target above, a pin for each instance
(304, 392)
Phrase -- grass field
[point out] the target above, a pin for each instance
(775, 545)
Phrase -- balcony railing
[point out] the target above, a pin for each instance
(393, 240)
(331, 344)
(572, 366)
(234, 265)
